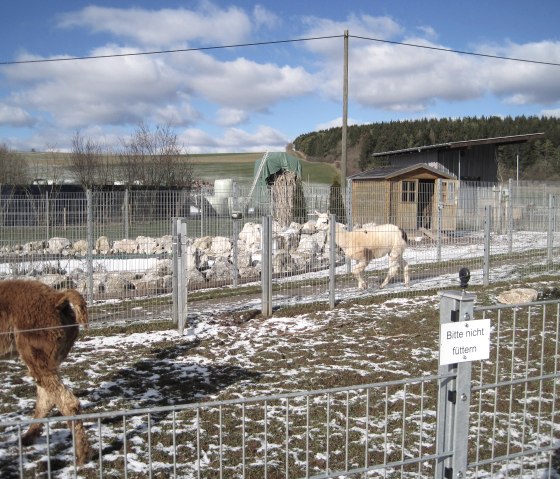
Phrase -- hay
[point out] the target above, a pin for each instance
(288, 201)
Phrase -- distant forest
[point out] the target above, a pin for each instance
(538, 160)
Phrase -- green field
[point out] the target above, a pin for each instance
(207, 167)
(240, 166)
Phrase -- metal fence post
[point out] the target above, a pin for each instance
(236, 216)
(179, 278)
(454, 395)
(125, 213)
(266, 266)
(440, 218)
(235, 252)
(47, 209)
(486, 262)
(349, 220)
(175, 264)
(89, 206)
(510, 216)
(332, 260)
(550, 230)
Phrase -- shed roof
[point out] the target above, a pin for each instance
(458, 145)
(389, 172)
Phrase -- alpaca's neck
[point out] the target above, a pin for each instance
(342, 236)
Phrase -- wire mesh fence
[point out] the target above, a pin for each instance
(515, 406)
(117, 246)
(387, 429)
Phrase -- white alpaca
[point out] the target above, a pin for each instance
(363, 245)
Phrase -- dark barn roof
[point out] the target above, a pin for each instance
(389, 172)
(466, 144)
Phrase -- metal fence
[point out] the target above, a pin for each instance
(496, 417)
(117, 246)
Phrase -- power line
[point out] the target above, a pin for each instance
(273, 42)
(161, 52)
(462, 52)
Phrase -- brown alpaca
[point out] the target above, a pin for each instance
(41, 324)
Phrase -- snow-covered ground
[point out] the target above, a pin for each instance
(231, 353)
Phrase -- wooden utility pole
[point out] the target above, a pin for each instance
(344, 119)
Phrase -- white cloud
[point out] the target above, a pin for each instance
(247, 85)
(233, 139)
(113, 91)
(553, 113)
(408, 79)
(265, 18)
(428, 32)
(335, 123)
(520, 82)
(361, 26)
(15, 116)
(158, 88)
(181, 89)
(231, 117)
(164, 27)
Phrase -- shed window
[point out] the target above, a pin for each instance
(448, 192)
(408, 191)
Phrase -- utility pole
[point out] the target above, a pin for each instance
(344, 119)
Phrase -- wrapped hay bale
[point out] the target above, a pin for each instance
(288, 201)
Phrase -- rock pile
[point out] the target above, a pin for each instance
(210, 260)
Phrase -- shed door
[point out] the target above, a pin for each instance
(425, 203)
(448, 198)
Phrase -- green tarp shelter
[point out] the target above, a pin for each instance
(272, 164)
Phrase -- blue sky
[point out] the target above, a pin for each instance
(260, 98)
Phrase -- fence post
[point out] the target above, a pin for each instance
(89, 206)
(236, 216)
(332, 260)
(440, 218)
(175, 266)
(235, 253)
(510, 216)
(47, 208)
(266, 266)
(486, 263)
(349, 220)
(550, 230)
(125, 213)
(180, 279)
(454, 395)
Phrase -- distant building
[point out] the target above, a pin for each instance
(419, 190)
(470, 160)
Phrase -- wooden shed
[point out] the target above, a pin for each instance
(407, 197)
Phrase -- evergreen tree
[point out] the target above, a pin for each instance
(336, 201)
(364, 140)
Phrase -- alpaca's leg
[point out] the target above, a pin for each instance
(404, 266)
(43, 407)
(393, 270)
(68, 405)
(358, 270)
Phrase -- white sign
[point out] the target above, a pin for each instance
(464, 341)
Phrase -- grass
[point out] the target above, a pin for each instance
(208, 167)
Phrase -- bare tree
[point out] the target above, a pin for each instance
(155, 158)
(89, 162)
(13, 167)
